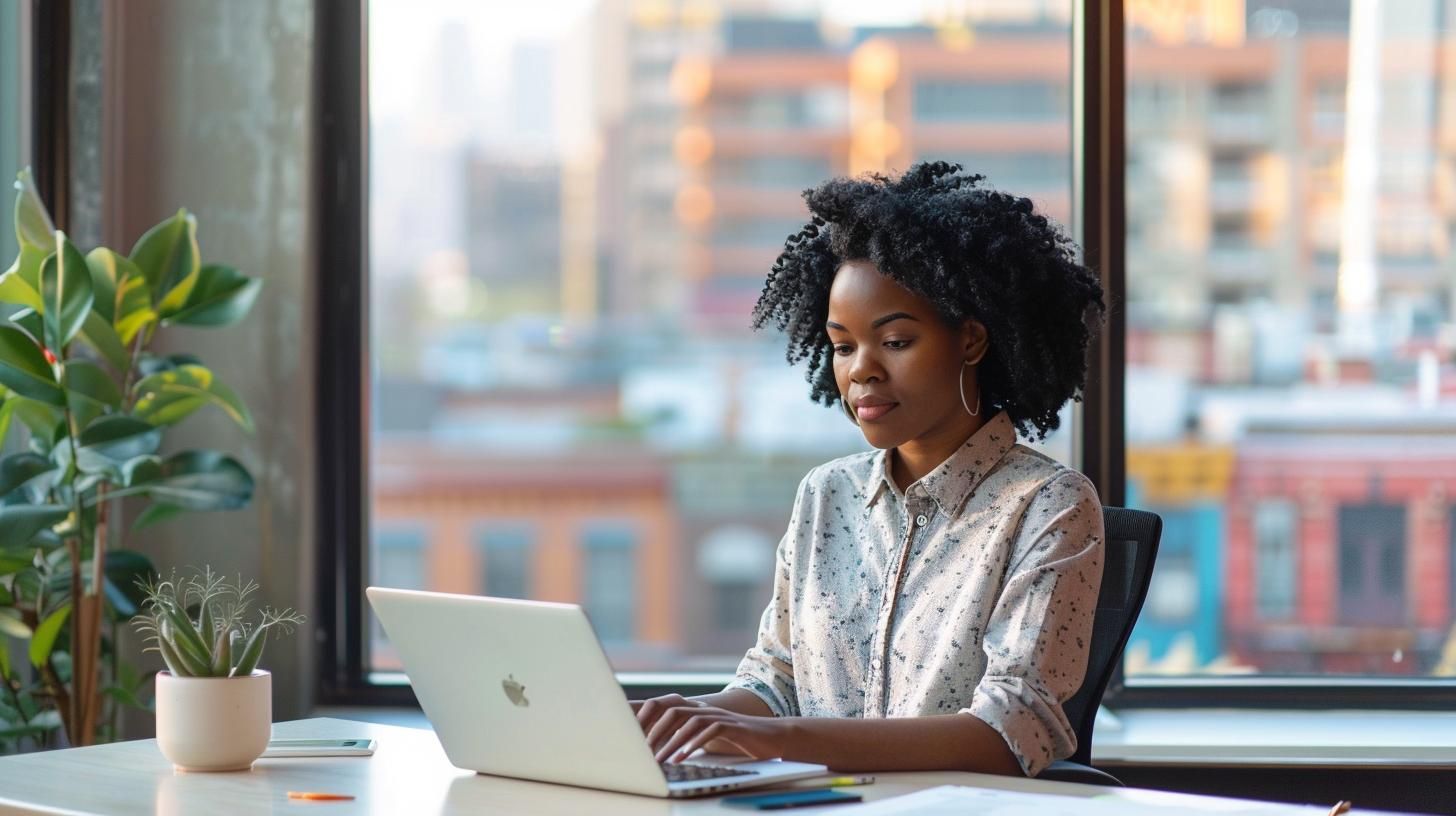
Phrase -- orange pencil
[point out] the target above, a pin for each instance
(319, 797)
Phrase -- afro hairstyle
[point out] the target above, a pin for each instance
(972, 251)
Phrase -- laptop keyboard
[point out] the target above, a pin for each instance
(685, 772)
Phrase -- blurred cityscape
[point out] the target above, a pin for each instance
(572, 217)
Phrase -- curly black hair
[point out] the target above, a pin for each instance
(973, 252)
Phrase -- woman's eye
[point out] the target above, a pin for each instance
(842, 349)
(896, 344)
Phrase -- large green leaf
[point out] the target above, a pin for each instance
(45, 636)
(11, 562)
(134, 312)
(140, 470)
(100, 336)
(19, 523)
(221, 297)
(65, 293)
(167, 397)
(87, 379)
(24, 369)
(122, 295)
(39, 417)
(7, 413)
(125, 569)
(156, 514)
(20, 469)
(21, 282)
(198, 480)
(12, 625)
(149, 364)
(33, 226)
(31, 321)
(107, 269)
(110, 441)
(169, 260)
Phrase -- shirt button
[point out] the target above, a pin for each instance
(922, 520)
(875, 664)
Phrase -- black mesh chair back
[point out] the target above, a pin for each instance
(1131, 541)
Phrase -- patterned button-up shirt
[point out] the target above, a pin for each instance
(970, 591)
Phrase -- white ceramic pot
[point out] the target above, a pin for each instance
(214, 723)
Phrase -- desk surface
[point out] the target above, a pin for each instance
(407, 774)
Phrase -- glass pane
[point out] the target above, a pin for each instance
(505, 553)
(1291, 393)
(11, 86)
(573, 208)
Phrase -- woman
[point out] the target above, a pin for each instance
(933, 599)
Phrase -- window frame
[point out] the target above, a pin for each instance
(342, 390)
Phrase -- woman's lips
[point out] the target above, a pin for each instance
(870, 413)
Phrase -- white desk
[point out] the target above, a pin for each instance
(407, 775)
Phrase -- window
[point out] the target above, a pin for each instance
(572, 208)
(736, 562)
(399, 562)
(609, 592)
(991, 102)
(1275, 531)
(12, 158)
(505, 554)
(1280, 301)
(1372, 565)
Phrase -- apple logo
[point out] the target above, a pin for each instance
(515, 691)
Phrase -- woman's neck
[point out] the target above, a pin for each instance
(910, 461)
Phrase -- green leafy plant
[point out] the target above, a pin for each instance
(218, 642)
(92, 403)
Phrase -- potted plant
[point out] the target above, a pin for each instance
(91, 401)
(214, 705)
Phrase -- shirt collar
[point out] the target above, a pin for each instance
(952, 481)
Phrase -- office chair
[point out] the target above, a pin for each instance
(1131, 538)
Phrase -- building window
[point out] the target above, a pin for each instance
(609, 570)
(505, 554)
(736, 562)
(1372, 564)
(398, 557)
(992, 102)
(1275, 530)
(398, 563)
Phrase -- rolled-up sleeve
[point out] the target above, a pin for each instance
(767, 669)
(1037, 639)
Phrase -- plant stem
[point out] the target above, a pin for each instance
(78, 633)
(84, 611)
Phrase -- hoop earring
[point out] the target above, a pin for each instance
(848, 411)
(961, 382)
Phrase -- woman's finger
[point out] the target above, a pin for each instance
(686, 732)
(654, 708)
(711, 732)
(672, 719)
(669, 722)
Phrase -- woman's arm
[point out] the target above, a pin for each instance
(948, 742)
(958, 742)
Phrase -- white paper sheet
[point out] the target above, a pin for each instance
(954, 800)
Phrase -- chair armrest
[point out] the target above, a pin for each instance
(1064, 771)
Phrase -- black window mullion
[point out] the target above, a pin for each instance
(341, 207)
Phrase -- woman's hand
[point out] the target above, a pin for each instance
(677, 726)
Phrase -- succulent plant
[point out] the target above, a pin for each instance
(196, 623)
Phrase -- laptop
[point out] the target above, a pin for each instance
(523, 689)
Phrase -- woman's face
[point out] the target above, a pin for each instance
(896, 362)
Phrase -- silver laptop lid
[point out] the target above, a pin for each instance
(518, 688)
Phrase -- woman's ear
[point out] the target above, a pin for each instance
(975, 340)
